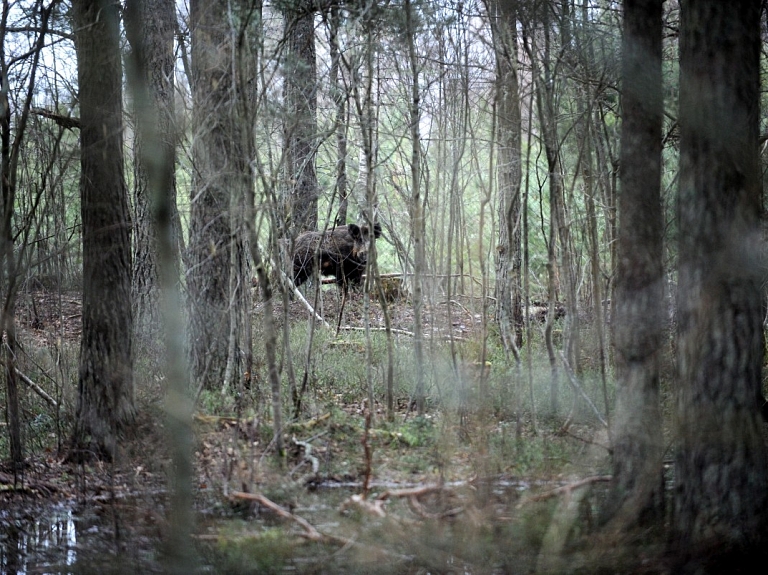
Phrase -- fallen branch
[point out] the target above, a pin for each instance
(575, 384)
(372, 506)
(399, 332)
(289, 282)
(205, 418)
(309, 531)
(392, 330)
(585, 440)
(410, 491)
(63, 121)
(309, 424)
(565, 489)
(37, 389)
(419, 510)
(376, 506)
(303, 300)
(34, 387)
(412, 494)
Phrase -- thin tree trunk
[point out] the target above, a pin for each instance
(544, 93)
(508, 281)
(417, 211)
(246, 150)
(586, 150)
(340, 98)
(526, 281)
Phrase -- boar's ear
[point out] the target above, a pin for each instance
(354, 231)
(376, 230)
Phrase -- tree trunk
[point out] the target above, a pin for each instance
(545, 107)
(105, 386)
(721, 469)
(150, 26)
(636, 497)
(416, 210)
(159, 299)
(508, 265)
(340, 97)
(300, 89)
(209, 228)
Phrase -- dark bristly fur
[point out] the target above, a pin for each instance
(342, 252)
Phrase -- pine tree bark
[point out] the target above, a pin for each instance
(637, 491)
(105, 387)
(721, 467)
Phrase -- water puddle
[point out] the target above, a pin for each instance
(37, 542)
(68, 538)
(127, 534)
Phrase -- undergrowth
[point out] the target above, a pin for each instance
(490, 442)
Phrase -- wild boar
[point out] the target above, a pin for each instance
(342, 252)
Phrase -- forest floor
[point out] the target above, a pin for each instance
(474, 485)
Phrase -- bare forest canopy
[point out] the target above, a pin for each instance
(539, 214)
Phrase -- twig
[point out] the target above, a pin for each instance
(368, 454)
(314, 462)
(309, 531)
(454, 302)
(341, 309)
(412, 494)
